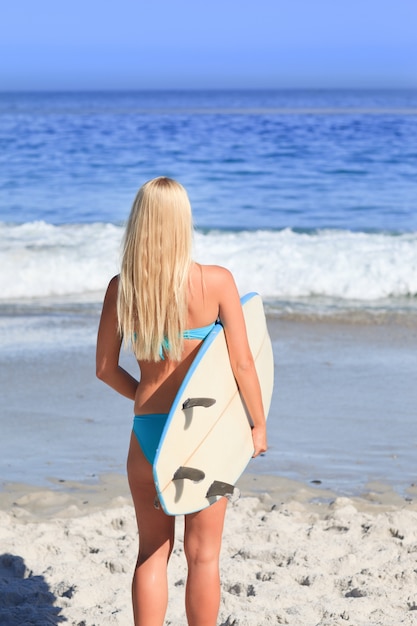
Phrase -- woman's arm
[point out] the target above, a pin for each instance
(108, 347)
(241, 359)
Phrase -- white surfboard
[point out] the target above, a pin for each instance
(207, 442)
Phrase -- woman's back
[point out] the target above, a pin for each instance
(160, 380)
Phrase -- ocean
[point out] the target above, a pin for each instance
(309, 197)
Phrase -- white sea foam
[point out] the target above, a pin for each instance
(41, 260)
(335, 264)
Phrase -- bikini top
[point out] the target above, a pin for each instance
(192, 333)
(198, 333)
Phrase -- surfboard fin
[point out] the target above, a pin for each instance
(219, 488)
(190, 473)
(206, 402)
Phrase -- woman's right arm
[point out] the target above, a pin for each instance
(108, 347)
(241, 359)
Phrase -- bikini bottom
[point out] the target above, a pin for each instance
(148, 430)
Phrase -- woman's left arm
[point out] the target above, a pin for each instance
(108, 347)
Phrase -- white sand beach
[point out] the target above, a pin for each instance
(292, 554)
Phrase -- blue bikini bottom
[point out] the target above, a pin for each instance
(148, 430)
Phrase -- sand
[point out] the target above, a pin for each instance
(292, 554)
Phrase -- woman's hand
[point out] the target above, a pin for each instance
(259, 440)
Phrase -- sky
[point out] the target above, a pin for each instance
(166, 44)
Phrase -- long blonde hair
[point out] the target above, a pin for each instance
(153, 285)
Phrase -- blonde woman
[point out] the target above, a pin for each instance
(163, 304)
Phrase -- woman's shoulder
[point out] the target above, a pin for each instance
(113, 286)
(216, 274)
(217, 277)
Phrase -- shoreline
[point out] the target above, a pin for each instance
(342, 411)
(66, 498)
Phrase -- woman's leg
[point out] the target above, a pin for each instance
(202, 544)
(156, 538)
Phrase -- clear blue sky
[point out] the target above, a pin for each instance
(133, 44)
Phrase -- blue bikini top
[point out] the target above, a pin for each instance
(198, 333)
(192, 333)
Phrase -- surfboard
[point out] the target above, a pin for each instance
(207, 442)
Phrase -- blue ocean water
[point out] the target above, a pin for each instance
(250, 160)
(318, 186)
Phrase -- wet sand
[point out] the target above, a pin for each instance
(342, 412)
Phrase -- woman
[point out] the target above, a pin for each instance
(159, 294)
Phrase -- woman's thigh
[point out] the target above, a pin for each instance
(156, 529)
